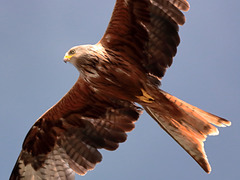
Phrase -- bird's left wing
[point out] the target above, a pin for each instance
(67, 137)
(145, 32)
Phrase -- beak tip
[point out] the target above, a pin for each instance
(66, 58)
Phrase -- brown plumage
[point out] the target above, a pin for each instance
(124, 67)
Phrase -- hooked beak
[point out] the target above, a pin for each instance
(66, 58)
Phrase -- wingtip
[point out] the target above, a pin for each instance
(186, 7)
(15, 172)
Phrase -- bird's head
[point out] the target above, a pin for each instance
(83, 57)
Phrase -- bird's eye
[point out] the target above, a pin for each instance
(72, 51)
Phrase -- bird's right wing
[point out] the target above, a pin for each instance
(67, 137)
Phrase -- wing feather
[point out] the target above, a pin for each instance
(146, 32)
(67, 137)
(181, 4)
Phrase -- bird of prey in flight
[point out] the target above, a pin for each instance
(122, 70)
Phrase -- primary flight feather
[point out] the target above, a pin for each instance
(125, 67)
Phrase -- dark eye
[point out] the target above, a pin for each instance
(72, 51)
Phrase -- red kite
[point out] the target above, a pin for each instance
(125, 67)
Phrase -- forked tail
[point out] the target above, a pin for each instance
(186, 124)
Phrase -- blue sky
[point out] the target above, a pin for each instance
(34, 38)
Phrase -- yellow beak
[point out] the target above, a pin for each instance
(66, 58)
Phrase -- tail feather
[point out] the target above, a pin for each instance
(218, 121)
(186, 124)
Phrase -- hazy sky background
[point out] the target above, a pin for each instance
(34, 36)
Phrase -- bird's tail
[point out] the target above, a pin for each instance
(186, 124)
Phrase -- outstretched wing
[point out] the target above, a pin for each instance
(146, 32)
(67, 137)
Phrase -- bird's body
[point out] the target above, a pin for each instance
(125, 67)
